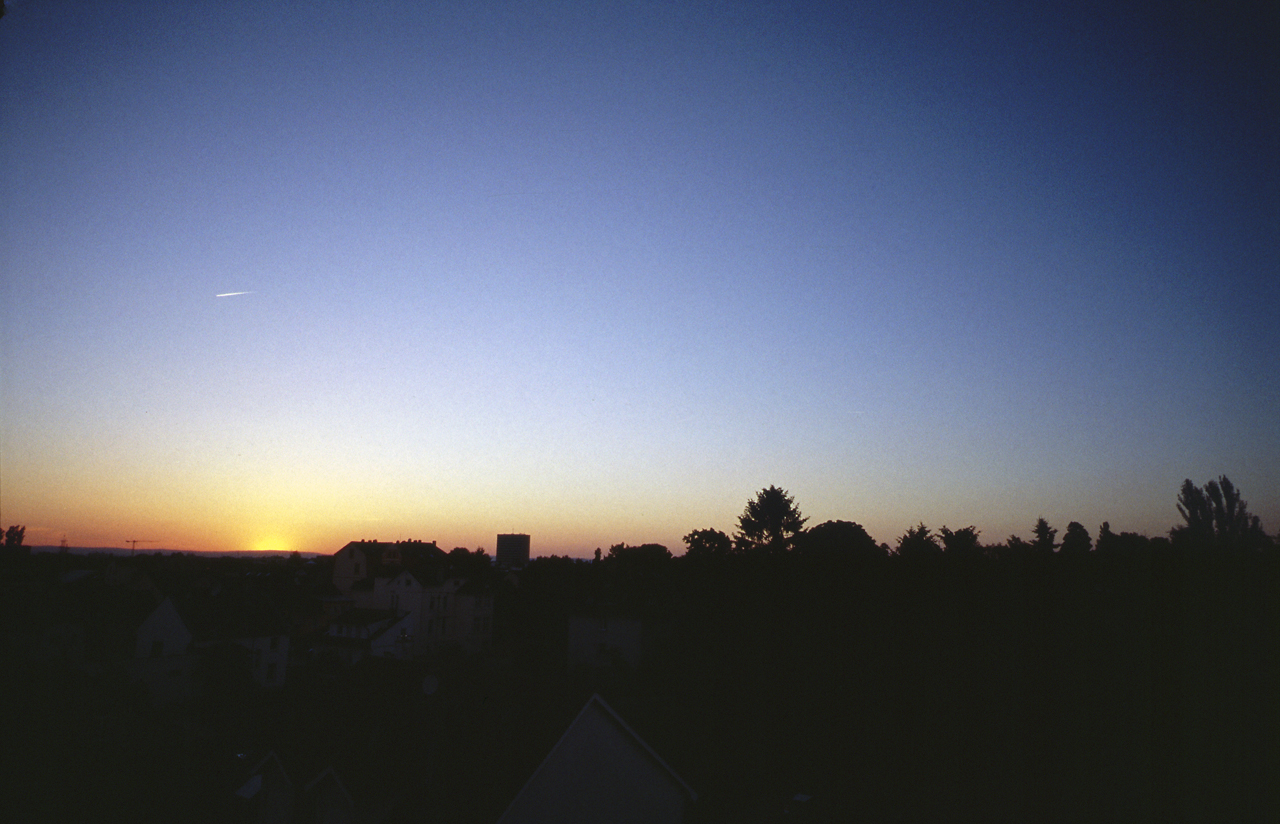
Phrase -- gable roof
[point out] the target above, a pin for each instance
(328, 779)
(165, 618)
(585, 777)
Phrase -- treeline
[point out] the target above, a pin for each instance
(1215, 518)
(1132, 679)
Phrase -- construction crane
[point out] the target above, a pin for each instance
(133, 544)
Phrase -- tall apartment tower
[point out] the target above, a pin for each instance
(512, 551)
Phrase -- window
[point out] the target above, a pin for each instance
(157, 648)
(357, 569)
(271, 673)
(275, 642)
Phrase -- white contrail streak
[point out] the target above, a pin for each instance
(232, 294)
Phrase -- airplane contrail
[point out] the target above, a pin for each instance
(232, 294)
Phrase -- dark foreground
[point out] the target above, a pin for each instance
(1134, 685)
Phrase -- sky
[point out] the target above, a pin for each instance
(283, 275)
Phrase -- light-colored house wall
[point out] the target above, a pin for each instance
(163, 633)
(270, 658)
(441, 615)
(161, 661)
(350, 564)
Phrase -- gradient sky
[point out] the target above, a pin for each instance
(598, 272)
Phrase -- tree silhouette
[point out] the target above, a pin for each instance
(471, 565)
(770, 522)
(636, 573)
(1197, 512)
(1015, 546)
(707, 543)
(837, 539)
(1125, 542)
(1217, 516)
(1106, 538)
(962, 541)
(1076, 539)
(643, 554)
(918, 540)
(1044, 536)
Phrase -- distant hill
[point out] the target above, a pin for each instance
(115, 550)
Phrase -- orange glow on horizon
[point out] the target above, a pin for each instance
(272, 543)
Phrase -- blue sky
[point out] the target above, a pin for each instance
(599, 272)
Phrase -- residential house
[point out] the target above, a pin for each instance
(163, 662)
(163, 634)
(358, 564)
(454, 612)
(269, 657)
(407, 579)
(239, 613)
(360, 633)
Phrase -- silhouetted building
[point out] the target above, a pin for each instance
(512, 551)
(359, 563)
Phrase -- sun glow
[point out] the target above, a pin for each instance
(273, 543)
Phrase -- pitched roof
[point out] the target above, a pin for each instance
(328, 778)
(562, 789)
